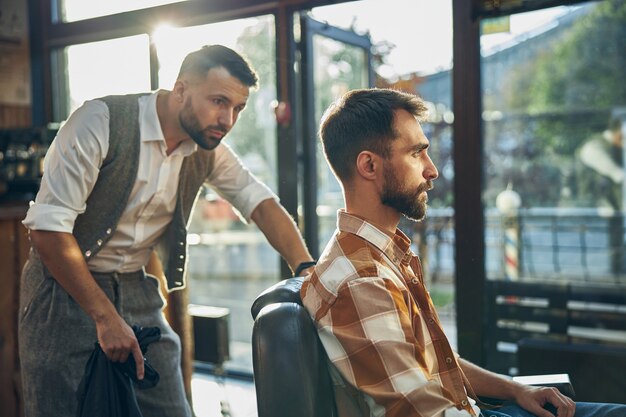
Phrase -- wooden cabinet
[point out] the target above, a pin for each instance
(14, 248)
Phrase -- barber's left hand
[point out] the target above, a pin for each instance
(533, 399)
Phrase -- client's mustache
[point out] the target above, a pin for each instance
(427, 186)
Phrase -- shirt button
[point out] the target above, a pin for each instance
(431, 321)
(448, 360)
(464, 403)
(414, 281)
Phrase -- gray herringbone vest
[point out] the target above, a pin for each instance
(117, 176)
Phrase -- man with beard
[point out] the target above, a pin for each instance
(120, 181)
(389, 355)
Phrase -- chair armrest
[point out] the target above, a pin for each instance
(558, 381)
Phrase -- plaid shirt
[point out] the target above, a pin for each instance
(379, 327)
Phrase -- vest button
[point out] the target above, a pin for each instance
(109, 231)
(88, 253)
(99, 242)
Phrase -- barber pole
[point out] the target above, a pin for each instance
(508, 202)
(511, 251)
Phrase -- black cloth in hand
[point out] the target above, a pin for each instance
(106, 389)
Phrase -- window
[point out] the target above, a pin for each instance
(554, 106)
(554, 116)
(97, 69)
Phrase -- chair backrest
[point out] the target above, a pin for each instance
(290, 364)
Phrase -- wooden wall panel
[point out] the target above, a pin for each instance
(13, 251)
(7, 319)
(12, 116)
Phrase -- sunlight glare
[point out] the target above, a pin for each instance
(117, 66)
(174, 43)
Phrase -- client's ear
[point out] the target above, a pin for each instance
(368, 165)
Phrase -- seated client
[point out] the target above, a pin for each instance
(389, 355)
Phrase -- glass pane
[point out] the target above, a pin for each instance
(123, 66)
(230, 262)
(73, 10)
(554, 103)
(413, 54)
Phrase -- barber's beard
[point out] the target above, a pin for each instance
(190, 123)
(411, 204)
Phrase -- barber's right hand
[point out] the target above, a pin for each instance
(118, 340)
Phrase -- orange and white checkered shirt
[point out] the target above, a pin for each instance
(379, 327)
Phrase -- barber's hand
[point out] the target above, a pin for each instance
(533, 399)
(118, 340)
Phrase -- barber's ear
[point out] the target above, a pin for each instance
(179, 90)
(368, 165)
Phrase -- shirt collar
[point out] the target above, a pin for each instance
(150, 126)
(397, 246)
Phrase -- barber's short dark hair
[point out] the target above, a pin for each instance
(363, 120)
(199, 62)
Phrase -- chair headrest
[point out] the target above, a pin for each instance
(285, 291)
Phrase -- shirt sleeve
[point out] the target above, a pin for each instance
(367, 334)
(236, 184)
(71, 168)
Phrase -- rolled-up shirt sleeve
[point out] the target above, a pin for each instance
(236, 184)
(71, 168)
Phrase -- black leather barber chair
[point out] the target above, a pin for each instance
(290, 364)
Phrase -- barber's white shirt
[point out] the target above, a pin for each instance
(71, 169)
